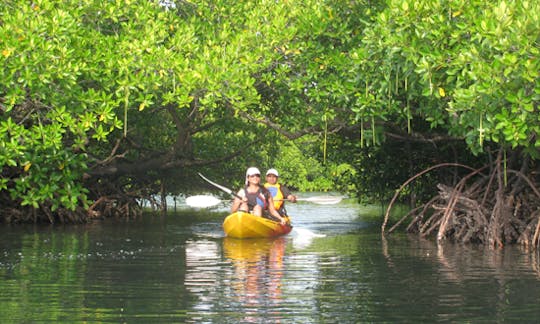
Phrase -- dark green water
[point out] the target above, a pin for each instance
(333, 268)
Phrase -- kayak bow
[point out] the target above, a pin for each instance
(245, 225)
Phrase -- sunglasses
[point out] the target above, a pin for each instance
(255, 175)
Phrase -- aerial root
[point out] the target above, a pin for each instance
(498, 208)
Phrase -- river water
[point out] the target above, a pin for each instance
(334, 267)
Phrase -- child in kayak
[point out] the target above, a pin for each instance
(279, 192)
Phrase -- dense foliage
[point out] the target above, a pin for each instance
(100, 98)
(104, 103)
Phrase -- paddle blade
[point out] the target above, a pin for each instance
(202, 201)
(322, 200)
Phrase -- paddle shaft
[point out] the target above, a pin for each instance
(324, 200)
(316, 200)
(225, 189)
(208, 201)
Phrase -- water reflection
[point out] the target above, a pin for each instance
(460, 262)
(240, 277)
(330, 269)
(493, 284)
(258, 273)
(202, 261)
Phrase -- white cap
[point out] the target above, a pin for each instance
(272, 171)
(252, 171)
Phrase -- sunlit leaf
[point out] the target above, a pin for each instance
(442, 93)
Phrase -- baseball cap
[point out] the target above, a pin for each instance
(252, 171)
(272, 171)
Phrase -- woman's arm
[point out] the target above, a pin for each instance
(287, 194)
(237, 202)
(273, 210)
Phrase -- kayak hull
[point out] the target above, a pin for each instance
(245, 225)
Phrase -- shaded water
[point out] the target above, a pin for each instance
(334, 267)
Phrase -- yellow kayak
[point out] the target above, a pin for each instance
(245, 225)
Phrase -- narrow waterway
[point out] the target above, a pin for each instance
(334, 267)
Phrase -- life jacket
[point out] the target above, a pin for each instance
(277, 194)
(257, 198)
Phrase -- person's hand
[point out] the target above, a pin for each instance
(292, 198)
(283, 221)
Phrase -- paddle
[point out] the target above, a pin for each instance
(204, 201)
(225, 189)
(320, 200)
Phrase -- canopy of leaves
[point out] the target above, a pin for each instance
(469, 66)
(98, 98)
(124, 93)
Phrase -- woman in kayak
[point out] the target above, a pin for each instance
(255, 198)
